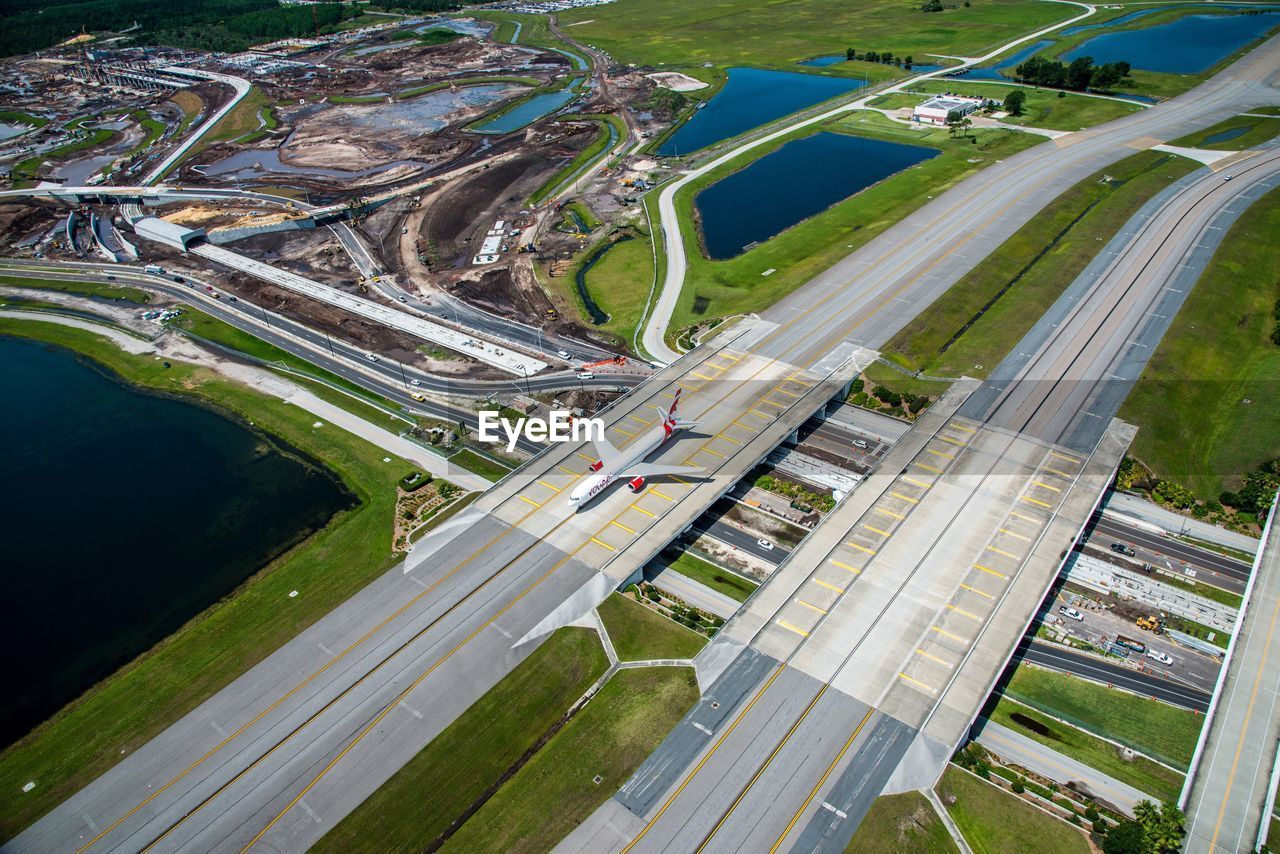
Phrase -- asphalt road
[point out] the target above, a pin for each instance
(1208, 565)
(1099, 670)
(742, 540)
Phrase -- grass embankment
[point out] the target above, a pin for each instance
(597, 147)
(993, 821)
(477, 464)
(461, 765)
(99, 290)
(17, 117)
(1139, 772)
(1043, 108)
(1208, 402)
(905, 824)
(639, 634)
(137, 702)
(721, 580)
(241, 121)
(619, 282)
(152, 130)
(558, 788)
(720, 288)
(1148, 726)
(1246, 130)
(191, 105)
(971, 327)
(657, 32)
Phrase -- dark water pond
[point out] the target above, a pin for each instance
(1186, 46)
(528, 112)
(752, 97)
(802, 178)
(125, 515)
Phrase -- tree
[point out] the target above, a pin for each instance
(849, 54)
(1125, 838)
(1162, 827)
(1123, 67)
(1079, 73)
(965, 124)
(907, 62)
(1105, 76)
(931, 6)
(1013, 102)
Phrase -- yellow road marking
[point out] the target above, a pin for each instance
(1015, 534)
(811, 606)
(918, 683)
(549, 486)
(710, 451)
(961, 427)
(905, 498)
(569, 471)
(792, 628)
(774, 403)
(626, 433)
(928, 467)
(1003, 552)
(787, 393)
(948, 634)
(603, 543)
(852, 544)
(679, 479)
(821, 583)
(1024, 517)
(1046, 485)
(976, 590)
(585, 457)
(888, 513)
(528, 500)
(755, 411)
(645, 512)
(964, 613)
(914, 482)
(660, 494)
(933, 657)
(1058, 473)
(1064, 457)
(1036, 501)
(942, 454)
(877, 530)
(989, 570)
(728, 439)
(843, 565)
(701, 376)
(618, 524)
(950, 441)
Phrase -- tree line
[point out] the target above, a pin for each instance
(885, 58)
(1080, 75)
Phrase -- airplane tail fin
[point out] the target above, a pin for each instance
(669, 420)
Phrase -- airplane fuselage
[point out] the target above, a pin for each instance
(613, 469)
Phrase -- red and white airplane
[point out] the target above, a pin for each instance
(614, 464)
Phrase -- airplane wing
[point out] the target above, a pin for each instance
(653, 470)
(606, 450)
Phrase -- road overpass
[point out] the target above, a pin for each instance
(859, 666)
(302, 738)
(1230, 791)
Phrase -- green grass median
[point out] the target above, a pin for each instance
(901, 823)
(993, 821)
(639, 634)
(462, 766)
(138, 701)
(721, 580)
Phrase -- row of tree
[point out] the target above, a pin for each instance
(883, 58)
(1080, 75)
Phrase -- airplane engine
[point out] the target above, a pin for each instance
(596, 466)
(636, 484)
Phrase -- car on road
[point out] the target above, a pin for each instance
(415, 382)
(563, 354)
(586, 375)
(1070, 613)
(1166, 660)
(1227, 177)
(860, 443)
(233, 299)
(403, 299)
(372, 357)
(764, 544)
(417, 395)
(1122, 549)
(110, 278)
(181, 280)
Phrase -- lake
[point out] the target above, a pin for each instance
(752, 97)
(126, 514)
(803, 177)
(528, 112)
(993, 72)
(1188, 45)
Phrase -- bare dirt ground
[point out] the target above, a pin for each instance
(19, 219)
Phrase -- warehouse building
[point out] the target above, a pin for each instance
(946, 108)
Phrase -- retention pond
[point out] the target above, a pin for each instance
(126, 514)
(802, 178)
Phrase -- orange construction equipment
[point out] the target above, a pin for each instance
(616, 360)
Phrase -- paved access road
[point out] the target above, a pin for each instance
(1229, 803)
(1209, 566)
(1100, 670)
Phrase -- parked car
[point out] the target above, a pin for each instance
(1161, 657)
(1070, 613)
(764, 544)
(1122, 549)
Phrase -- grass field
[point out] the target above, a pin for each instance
(1043, 107)
(18, 117)
(620, 283)
(100, 290)
(691, 566)
(1157, 729)
(125, 710)
(639, 634)
(993, 821)
(1257, 130)
(1208, 403)
(903, 824)
(438, 785)
(240, 121)
(741, 32)
(557, 789)
(720, 288)
(1140, 772)
(476, 464)
(974, 324)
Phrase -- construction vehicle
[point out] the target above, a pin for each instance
(1151, 624)
(1130, 643)
(616, 360)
